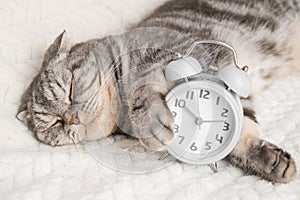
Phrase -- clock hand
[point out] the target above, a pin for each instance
(191, 112)
(200, 121)
(196, 118)
(198, 107)
(211, 121)
(198, 110)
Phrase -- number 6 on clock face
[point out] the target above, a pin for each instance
(207, 121)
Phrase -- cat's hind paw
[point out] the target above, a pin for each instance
(271, 162)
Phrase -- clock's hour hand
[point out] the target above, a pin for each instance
(196, 117)
(191, 112)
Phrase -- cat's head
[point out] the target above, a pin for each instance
(59, 104)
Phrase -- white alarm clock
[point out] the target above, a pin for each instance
(207, 111)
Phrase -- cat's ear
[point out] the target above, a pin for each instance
(22, 112)
(21, 115)
(26, 98)
(60, 45)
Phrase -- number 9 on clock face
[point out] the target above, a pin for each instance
(207, 121)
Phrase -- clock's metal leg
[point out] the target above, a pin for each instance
(164, 156)
(214, 167)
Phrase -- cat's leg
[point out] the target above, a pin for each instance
(259, 157)
(150, 117)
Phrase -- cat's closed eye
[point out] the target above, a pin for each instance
(57, 122)
(71, 90)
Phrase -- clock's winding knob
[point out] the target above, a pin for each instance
(245, 69)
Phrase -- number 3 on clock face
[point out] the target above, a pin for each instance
(206, 122)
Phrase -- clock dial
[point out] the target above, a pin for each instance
(204, 121)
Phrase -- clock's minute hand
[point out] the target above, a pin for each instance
(211, 121)
(199, 121)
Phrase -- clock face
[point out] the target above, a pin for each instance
(207, 122)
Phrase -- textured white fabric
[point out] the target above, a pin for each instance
(30, 170)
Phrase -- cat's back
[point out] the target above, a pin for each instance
(259, 30)
(265, 23)
(253, 14)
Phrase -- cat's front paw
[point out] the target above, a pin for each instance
(271, 162)
(157, 135)
(152, 123)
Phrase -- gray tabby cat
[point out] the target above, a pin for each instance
(87, 91)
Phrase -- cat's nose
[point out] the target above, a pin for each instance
(74, 120)
(71, 118)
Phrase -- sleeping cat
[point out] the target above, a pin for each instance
(92, 89)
